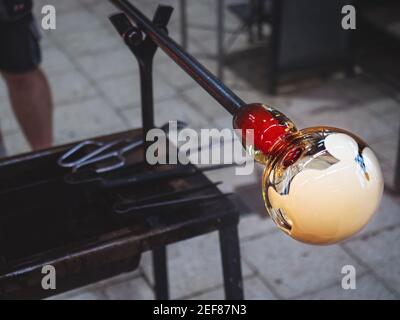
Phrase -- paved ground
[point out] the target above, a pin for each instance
(94, 80)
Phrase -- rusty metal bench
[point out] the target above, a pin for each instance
(45, 221)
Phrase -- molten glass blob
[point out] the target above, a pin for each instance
(320, 185)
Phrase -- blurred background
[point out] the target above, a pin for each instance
(292, 55)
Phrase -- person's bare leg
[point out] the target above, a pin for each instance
(32, 103)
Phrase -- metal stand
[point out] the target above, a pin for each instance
(144, 49)
(160, 271)
(230, 254)
(220, 31)
(215, 87)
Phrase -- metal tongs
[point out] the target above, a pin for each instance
(141, 177)
(98, 155)
(170, 199)
(102, 154)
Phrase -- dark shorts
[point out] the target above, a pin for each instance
(19, 46)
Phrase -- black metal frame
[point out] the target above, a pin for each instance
(225, 96)
(256, 7)
(275, 70)
(144, 51)
(220, 56)
(143, 40)
(231, 266)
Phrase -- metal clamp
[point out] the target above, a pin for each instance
(144, 50)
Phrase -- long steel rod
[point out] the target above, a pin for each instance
(229, 100)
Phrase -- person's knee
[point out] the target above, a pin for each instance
(22, 81)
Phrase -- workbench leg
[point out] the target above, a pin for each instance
(230, 254)
(160, 273)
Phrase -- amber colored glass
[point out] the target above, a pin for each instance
(320, 185)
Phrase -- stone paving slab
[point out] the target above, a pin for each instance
(293, 268)
(357, 120)
(388, 169)
(61, 6)
(87, 296)
(368, 287)
(85, 293)
(353, 90)
(204, 103)
(169, 71)
(55, 62)
(84, 120)
(74, 21)
(8, 121)
(135, 289)
(91, 42)
(254, 289)
(70, 86)
(168, 110)
(386, 216)
(16, 143)
(380, 252)
(384, 107)
(3, 89)
(254, 226)
(232, 181)
(194, 266)
(204, 41)
(386, 149)
(98, 290)
(109, 64)
(388, 110)
(124, 91)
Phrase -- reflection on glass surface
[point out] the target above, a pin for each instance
(320, 185)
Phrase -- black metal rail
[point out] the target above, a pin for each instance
(229, 100)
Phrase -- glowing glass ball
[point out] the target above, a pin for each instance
(320, 185)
